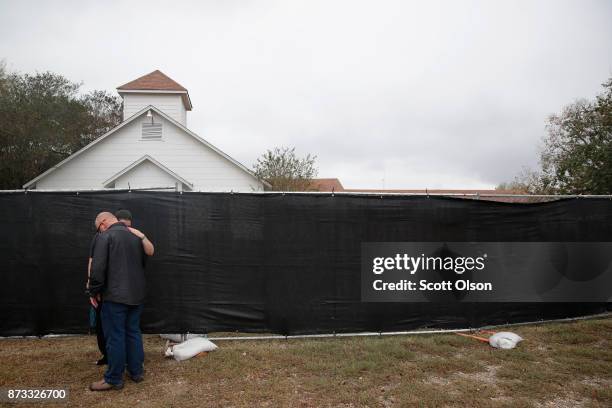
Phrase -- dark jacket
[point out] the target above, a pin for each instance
(92, 246)
(117, 268)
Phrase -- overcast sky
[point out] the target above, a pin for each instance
(437, 94)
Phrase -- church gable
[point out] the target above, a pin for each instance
(154, 127)
(180, 150)
(147, 172)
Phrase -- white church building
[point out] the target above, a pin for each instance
(151, 149)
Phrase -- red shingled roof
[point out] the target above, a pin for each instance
(155, 81)
(326, 184)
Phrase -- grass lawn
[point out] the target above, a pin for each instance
(558, 365)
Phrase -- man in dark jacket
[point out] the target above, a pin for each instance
(124, 216)
(117, 273)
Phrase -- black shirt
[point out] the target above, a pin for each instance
(117, 268)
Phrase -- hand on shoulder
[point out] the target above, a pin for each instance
(136, 232)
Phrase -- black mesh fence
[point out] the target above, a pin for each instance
(281, 263)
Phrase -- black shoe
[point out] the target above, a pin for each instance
(102, 361)
(104, 386)
(137, 378)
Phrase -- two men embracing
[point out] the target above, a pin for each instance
(117, 289)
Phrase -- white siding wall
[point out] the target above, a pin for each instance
(170, 104)
(178, 151)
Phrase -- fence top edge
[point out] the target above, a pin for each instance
(330, 193)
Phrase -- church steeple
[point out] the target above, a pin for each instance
(159, 90)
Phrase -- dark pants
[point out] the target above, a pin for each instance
(121, 324)
(100, 331)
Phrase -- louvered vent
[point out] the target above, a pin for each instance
(151, 131)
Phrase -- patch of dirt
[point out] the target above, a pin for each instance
(489, 376)
(598, 382)
(502, 399)
(569, 401)
(437, 380)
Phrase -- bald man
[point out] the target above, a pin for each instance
(124, 216)
(117, 273)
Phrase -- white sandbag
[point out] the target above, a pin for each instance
(178, 338)
(190, 348)
(505, 340)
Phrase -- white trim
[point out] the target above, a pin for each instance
(149, 91)
(131, 119)
(154, 91)
(139, 161)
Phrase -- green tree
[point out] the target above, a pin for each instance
(577, 154)
(527, 182)
(285, 171)
(44, 119)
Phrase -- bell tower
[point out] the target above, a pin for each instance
(159, 90)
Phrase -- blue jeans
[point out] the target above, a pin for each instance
(121, 325)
